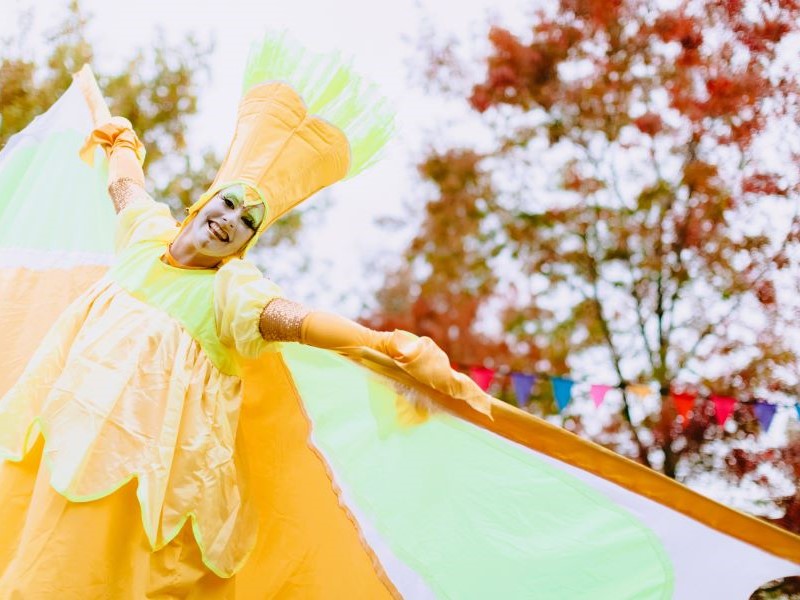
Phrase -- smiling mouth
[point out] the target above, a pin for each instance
(217, 231)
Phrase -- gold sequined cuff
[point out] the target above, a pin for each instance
(281, 320)
(123, 190)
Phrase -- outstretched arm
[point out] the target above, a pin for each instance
(419, 357)
(123, 161)
(289, 321)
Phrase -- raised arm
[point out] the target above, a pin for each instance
(124, 160)
(116, 136)
(125, 154)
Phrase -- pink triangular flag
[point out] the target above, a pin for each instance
(482, 376)
(723, 406)
(598, 393)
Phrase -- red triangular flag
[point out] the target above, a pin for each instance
(684, 403)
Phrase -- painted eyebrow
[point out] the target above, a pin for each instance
(249, 211)
(256, 220)
(231, 196)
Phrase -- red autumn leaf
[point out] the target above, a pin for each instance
(765, 292)
(502, 76)
(480, 99)
(765, 184)
(649, 124)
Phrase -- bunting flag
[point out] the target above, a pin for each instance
(640, 390)
(481, 375)
(598, 393)
(684, 404)
(764, 413)
(523, 384)
(351, 500)
(562, 391)
(723, 407)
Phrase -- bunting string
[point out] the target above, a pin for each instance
(523, 384)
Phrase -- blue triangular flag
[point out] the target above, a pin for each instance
(522, 383)
(562, 390)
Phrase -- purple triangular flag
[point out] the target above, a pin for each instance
(764, 412)
(522, 383)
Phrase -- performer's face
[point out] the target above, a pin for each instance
(224, 225)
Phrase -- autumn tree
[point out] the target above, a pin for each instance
(643, 189)
(446, 304)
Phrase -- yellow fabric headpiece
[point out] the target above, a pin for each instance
(280, 152)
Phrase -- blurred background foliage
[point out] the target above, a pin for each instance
(635, 220)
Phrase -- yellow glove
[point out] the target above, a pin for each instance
(115, 133)
(334, 332)
(419, 357)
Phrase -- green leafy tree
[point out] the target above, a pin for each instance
(157, 91)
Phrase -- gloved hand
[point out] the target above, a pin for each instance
(115, 133)
(419, 357)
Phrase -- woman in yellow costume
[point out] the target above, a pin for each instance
(184, 430)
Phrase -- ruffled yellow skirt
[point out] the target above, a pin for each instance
(52, 547)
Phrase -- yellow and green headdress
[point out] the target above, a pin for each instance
(306, 120)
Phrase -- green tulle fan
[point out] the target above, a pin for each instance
(331, 89)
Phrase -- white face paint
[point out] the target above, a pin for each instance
(224, 225)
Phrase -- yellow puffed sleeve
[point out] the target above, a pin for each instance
(142, 218)
(240, 294)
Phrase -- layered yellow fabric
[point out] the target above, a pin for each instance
(30, 307)
(310, 544)
(119, 389)
(51, 547)
(139, 378)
